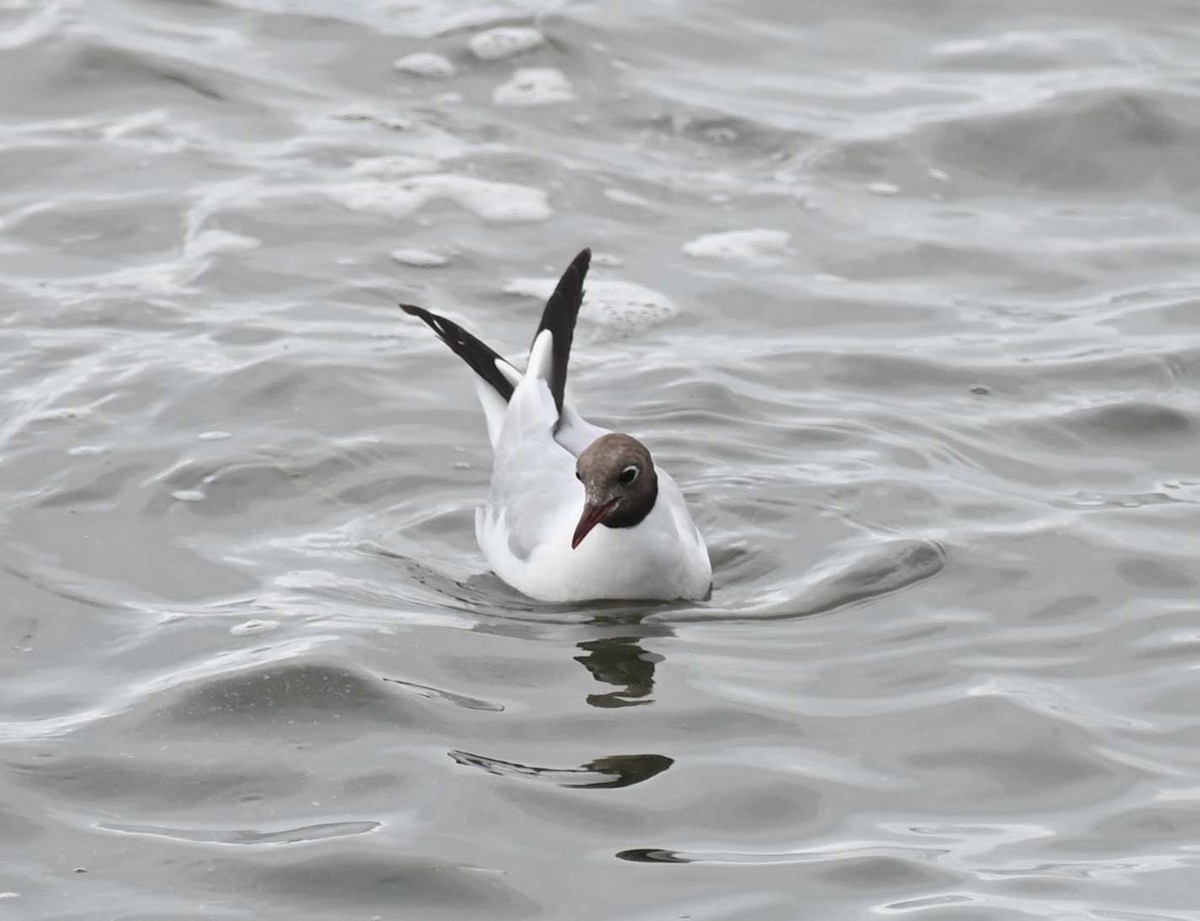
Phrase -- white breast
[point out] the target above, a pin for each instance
(663, 557)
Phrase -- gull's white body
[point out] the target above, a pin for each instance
(535, 501)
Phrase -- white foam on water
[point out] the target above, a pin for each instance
(188, 495)
(505, 42)
(754, 245)
(419, 258)
(883, 188)
(497, 202)
(425, 64)
(534, 86)
(620, 305)
(394, 165)
(214, 435)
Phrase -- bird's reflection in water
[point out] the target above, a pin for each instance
(610, 648)
(614, 656)
(623, 663)
(601, 773)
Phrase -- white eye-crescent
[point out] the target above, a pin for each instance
(629, 474)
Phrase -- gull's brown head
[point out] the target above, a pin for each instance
(621, 485)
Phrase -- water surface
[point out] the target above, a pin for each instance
(905, 296)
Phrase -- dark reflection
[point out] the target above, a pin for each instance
(621, 662)
(651, 855)
(610, 643)
(602, 773)
(614, 656)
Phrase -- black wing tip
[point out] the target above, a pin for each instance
(438, 324)
(569, 290)
(559, 316)
(577, 270)
(481, 358)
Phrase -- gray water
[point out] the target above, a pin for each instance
(906, 296)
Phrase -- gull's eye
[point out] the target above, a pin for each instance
(628, 475)
(578, 477)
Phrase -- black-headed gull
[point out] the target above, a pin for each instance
(575, 512)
